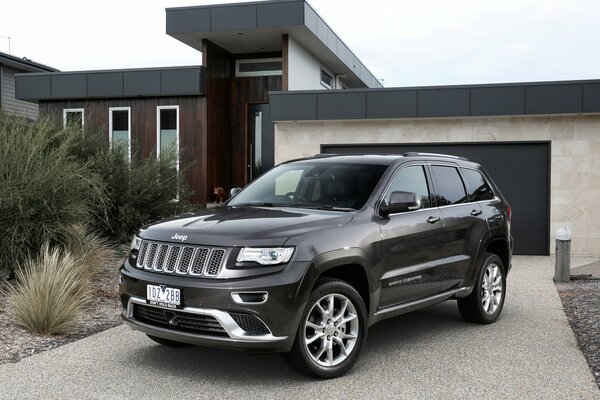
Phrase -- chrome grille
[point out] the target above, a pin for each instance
(198, 261)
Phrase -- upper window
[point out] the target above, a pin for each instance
(411, 179)
(259, 67)
(168, 130)
(450, 187)
(478, 187)
(326, 79)
(120, 128)
(73, 117)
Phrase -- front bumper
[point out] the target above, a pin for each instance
(212, 299)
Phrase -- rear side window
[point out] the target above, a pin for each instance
(411, 179)
(478, 188)
(450, 187)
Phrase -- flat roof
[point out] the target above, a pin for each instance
(257, 27)
(117, 83)
(506, 99)
(23, 64)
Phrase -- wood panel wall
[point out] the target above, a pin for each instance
(144, 129)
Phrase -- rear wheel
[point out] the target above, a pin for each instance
(332, 332)
(485, 303)
(167, 342)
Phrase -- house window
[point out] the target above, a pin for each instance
(167, 136)
(259, 67)
(119, 122)
(326, 79)
(73, 117)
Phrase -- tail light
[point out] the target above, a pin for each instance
(508, 212)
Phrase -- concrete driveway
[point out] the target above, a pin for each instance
(530, 353)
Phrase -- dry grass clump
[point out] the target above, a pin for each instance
(92, 251)
(50, 293)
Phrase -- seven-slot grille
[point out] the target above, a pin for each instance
(180, 259)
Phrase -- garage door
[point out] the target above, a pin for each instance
(521, 171)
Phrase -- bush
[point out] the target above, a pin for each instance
(51, 292)
(45, 189)
(141, 191)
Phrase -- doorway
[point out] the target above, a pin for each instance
(261, 141)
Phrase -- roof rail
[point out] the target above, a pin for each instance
(417, 154)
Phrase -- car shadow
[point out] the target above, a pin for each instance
(252, 369)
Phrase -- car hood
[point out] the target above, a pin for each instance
(244, 226)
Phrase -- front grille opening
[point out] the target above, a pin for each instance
(178, 320)
(183, 260)
(251, 324)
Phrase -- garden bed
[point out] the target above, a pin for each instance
(101, 314)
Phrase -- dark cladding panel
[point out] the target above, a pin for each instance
(188, 20)
(280, 14)
(342, 105)
(553, 99)
(69, 86)
(392, 104)
(141, 83)
(233, 17)
(443, 102)
(299, 107)
(105, 84)
(504, 100)
(180, 81)
(33, 87)
(591, 97)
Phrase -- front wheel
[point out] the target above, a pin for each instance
(485, 303)
(332, 332)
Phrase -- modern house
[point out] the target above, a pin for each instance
(277, 83)
(9, 67)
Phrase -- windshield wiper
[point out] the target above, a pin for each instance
(320, 207)
(258, 204)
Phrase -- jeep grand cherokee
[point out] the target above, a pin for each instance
(308, 256)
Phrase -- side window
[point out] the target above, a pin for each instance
(411, 179)
(478, 188)
(450, 187)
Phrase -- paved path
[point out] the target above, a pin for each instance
(530, 353)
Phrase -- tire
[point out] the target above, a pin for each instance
(323, 357)
(167, 342)
(485, 303)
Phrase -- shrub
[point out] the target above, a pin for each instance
(44, 188)
(92, 252)
(139, 192)
(51, 292)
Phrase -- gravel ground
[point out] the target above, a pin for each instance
(103, 313)
(581, 302)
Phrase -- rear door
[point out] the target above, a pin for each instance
(464, 224)
(411, 250)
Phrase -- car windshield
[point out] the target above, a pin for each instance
(324, 185)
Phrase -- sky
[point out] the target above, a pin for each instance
(405, 43)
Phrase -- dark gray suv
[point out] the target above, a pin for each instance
(307, 257)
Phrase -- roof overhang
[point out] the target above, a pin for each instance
(23, 64)
(257, 27)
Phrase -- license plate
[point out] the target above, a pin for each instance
(160, 295)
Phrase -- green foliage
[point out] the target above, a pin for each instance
(45, 189)
(51, 292)
(141, 191)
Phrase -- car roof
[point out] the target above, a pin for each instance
(384, 159)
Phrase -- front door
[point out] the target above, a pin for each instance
(412, 245)
(261, 143)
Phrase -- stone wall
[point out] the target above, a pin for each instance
(575, 165)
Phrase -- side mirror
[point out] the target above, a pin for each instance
(233, 192)
(400, 202)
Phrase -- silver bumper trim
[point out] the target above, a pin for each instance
(236, 334)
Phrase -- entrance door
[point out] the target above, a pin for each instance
(261, 141)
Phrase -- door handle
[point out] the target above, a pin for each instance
(476, 212)
(433, 220)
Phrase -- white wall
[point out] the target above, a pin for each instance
(304, 70)
(575, 146)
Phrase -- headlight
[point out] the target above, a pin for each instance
(136, 242)
(269, 256)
